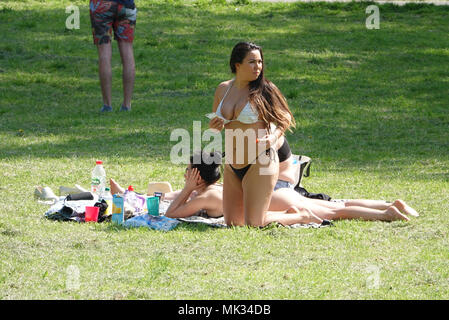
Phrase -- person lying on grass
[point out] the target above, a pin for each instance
(201, 192)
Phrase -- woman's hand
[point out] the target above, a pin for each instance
(267, 141)
(216, 124)
(187, 202)
(193, 180)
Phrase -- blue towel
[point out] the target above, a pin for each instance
(152, 222)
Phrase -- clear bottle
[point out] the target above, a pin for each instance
(98, 182)
(107, 196)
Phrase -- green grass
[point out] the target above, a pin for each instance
(371, 108)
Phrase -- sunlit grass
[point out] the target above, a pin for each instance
(371, 108)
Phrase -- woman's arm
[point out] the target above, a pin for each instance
(219, 93)
(171, 195)
(275, 137)
(184, 208)
(217, 123)
(181, 206)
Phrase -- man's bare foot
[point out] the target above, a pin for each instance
(392, 214)
(404, 208)
(309, 216)
(115, 187)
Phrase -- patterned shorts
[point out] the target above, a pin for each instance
(106, 16)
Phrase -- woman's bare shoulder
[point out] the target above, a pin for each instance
(225, 84)
(213, 193)
(222, 87)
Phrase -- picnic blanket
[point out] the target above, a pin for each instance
(202, 218)
(64, 210)
(219, 222)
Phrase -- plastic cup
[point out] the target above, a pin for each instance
(92, 213)
(153, 206)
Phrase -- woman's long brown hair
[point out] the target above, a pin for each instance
(263, 94)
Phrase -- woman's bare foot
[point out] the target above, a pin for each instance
(404, 208)
(392, 214)
(309, 216)
(115, 187)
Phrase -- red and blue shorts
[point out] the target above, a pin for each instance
(106, 16)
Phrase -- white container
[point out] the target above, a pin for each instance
(107, 196)
(98, 182)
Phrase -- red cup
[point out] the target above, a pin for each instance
(92, 213)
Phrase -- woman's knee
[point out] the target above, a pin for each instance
(233, 222)
(255, 216)
(255, 221)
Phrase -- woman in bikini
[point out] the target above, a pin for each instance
(254, 114)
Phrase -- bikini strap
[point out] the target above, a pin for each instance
(227, 90)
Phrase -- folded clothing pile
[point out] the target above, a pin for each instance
(74, 210)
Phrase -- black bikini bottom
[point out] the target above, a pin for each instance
(242, 171)
(284, 152)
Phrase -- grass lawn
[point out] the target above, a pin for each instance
(372, 113)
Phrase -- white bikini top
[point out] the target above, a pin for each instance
(247, 115)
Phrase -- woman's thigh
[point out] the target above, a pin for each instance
(258, 185)
(232, 198)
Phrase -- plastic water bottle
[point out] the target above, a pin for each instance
(107, 196)
(98, 182)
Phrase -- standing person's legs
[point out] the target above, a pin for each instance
(105, 71)
(124, 27)
(102, 16)
(129, 71)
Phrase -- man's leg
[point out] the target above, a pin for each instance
(102, 16)
(105, 71)
(129, 71)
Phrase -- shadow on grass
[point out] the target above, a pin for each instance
(357, 94)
